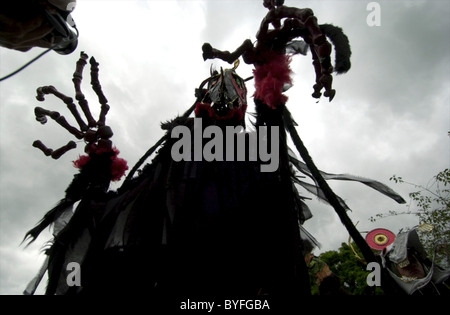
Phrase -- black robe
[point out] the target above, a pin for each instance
(191, 229)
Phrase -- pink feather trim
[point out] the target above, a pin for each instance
(270, 77)
(118, 166)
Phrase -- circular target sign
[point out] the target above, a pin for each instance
(380, 238)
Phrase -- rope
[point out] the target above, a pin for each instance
(34, 59)
(25, 65)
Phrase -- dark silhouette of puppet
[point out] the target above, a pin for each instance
(193, 227)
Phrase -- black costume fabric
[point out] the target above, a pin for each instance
(186, 229)
(193, 228)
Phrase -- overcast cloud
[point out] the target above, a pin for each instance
(390, 114)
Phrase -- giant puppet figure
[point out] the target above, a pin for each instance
(194, 226)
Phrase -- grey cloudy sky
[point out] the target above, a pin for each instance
(390, 116)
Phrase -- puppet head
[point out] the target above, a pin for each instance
(225, 98)
(270, 4)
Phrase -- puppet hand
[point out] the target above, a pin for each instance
(207, 51)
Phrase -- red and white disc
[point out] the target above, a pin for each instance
(380, 238)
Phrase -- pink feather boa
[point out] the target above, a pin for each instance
(270, 77)
(118, 166)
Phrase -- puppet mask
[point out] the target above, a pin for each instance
(225, 97)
